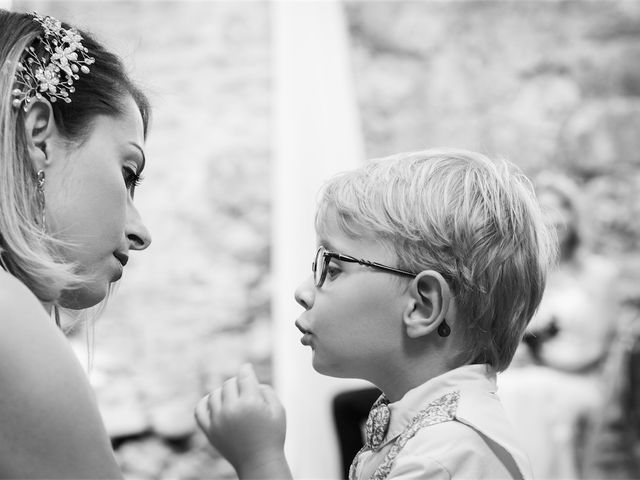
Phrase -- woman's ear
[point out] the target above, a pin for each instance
(429, 304)
(39, 126)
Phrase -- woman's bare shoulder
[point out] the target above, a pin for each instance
(46, 397)
(30, 341)
(23, 323)
(17, 303)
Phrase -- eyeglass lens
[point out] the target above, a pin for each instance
(319, 265)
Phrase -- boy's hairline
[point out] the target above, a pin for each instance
(358, 232)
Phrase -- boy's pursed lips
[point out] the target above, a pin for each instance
(306, 334)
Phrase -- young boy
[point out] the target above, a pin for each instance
(429, 267)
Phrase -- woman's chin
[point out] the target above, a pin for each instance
(85, 297)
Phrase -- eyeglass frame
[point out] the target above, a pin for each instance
(327, 255)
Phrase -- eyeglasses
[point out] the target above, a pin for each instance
(323, 256)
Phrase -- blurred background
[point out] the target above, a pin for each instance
(551, 86)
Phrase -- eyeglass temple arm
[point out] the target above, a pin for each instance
(371, 264)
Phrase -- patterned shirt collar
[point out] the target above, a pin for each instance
(481, 378)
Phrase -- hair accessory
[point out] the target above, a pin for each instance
(52, 77)
(444, 329)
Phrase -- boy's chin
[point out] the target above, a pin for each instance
(331, 370)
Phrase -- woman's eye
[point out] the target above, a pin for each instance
(131, 179)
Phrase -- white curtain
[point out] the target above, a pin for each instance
(317, 133)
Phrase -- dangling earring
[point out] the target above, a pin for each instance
(443, 329)
(40, 194)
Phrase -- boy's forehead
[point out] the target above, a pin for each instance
(326, 220)
(330, 226)
(338, 240)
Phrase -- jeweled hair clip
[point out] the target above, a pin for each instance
(40, 77)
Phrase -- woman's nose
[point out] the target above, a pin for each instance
(137, 233)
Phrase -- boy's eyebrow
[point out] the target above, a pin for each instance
(326, 244)
(330, 248)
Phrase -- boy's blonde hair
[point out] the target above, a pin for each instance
(474, 221)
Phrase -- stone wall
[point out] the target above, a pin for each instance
(549, 85)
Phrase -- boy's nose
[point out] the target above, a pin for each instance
(305, 293)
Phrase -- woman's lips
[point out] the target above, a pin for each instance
(123, 258)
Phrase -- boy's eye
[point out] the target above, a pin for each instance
(333, 271)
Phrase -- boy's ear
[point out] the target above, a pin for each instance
(429, 304)
(39, 126)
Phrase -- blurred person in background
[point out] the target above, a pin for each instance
(553, 390)
(72, 132)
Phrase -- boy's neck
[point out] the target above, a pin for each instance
(395, 383)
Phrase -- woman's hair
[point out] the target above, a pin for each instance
(26, 251)
(474, 221)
